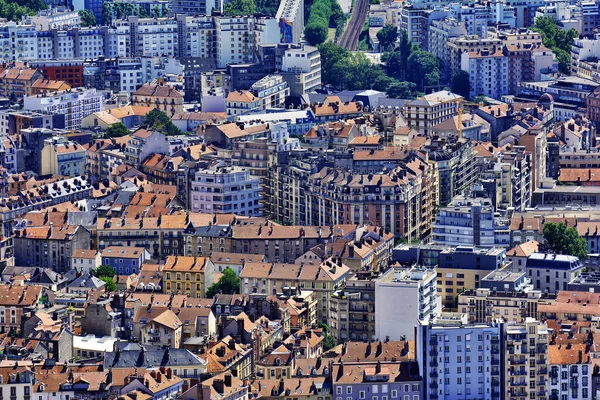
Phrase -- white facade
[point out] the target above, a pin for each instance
(465, 223)
(305, 65)
(74, 104)
(565, 379)
(226, 190)
(292, 12)
(416, 291)
(488, 73)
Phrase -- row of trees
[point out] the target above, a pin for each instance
(250, 7)
(87, 18)
(345, 70)
(118, 10)
(14, 10)
(317, 27)
(558, 40)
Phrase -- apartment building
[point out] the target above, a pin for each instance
(570, 366)
(143, 143)
(160, 96)
(63, 157)
(416, 290)
(226, 190)
(488, 72)
(74, 104)
(301, 69)
(290, 15)
(460, 360)
(323, 279)
(473, 44)
(526, 360)
(454, 159)
(352, 312)
(430, 110)
(50, 247)
(16, 82)
(191, 276)
(503, 294)
(552, 272)
(440, 32)
(400, 201)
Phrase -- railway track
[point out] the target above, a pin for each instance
(349, 39)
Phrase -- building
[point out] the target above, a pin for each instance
(414, 288)
(84, 260)
(460, 360)
(290, 15)
(431, 110)
(16, 302)
(323, 279)
(74, 104)
(124, 260)
(352, 312)
(301, 68)
(63, 157)
(191, 276)
(160, 96)
(142, 143)
(440, 32)
(552, 272)
(50, 247)
(503, 294)
(526, 360)
(488, 73)
(16, 81)
(226, 190)
(469, 222)
(570, 365)
(163, 330)
(401, 201)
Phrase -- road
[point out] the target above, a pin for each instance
(349, 39)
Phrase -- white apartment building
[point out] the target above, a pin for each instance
(465, 222)
(226, 190)
(56, 18)
(416, 290)
(271, 91)
(291, 13)
(439, 33)
(301, 68)
(74, 104)
(570, 371)
(148, 36)
(488, 72)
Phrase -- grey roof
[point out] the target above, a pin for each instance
(87, 281)
(393, 103)
(213, 231)
(151, 358)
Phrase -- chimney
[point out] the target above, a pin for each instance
(169, 373)
(219, 385)
(351, 250)
(228, 379)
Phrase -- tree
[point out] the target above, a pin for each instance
(393, 64)
(116, 130)
(382, 83)
(422, 69)
(480, 99)
(103, 271)
(87, 18)
(110, 285)
(461, 83)
(159, 121)
(330, 55)
(239, 7)
(316, 33)
(557, 39)
(387, 36)
(405, 49)
(401, 90)
(228, 283)
(560, 239)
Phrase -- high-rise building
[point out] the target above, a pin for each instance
(416, 289)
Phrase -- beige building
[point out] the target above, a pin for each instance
(62, 157)
(161, 96)
(163, 330)
(430, 110)
(188, 275)
(270, 278)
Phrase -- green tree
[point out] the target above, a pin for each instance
(557, 39)
(116, 130)
(103, 271)
(387, 36)
(405, 49)
(461, 83)
(393, 64)
(239, 7)
(401, 90)
(228, 283)
(110, 285)
(382, 83)
(559, 239)
(159, 121)
(107, 12)
(316, 33)
(87, 18)
(422, 69)
(480, 99)
(331, 54)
